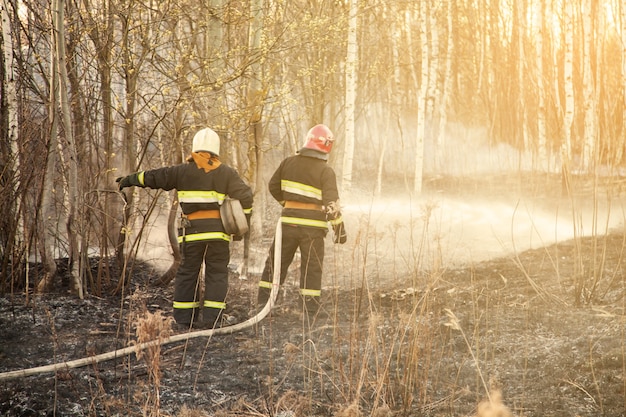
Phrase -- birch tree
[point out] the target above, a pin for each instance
(622, 135)
(568, 88)
(542, 150)
(47, 218)
(351, 82)
(433, 90)
(12, 237)
(68, 148)
(100, 29)
(421, 100)
(589, 95)
(447, 82)
(257, 91)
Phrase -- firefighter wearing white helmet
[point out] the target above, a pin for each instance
(306, 187)
(206, 140)
(202, 182)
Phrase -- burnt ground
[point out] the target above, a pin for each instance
(545, 327)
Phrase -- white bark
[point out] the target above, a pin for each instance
(542, 150)
(622, 138)
(421, 103)
(433, 61)
(590, 120)
(395, 99)
(74, 237)
(351, 76)
(256, 97)
(522, 119)
(11, 99)
(447, 85)
(568, 82)
(47, 222)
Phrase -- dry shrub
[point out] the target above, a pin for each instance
(291, 351)
(383, 411)
(351, 411)
(190, 412)
(493, 407)
(293, 403)
(152, 327)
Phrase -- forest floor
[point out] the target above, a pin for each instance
(543, 327)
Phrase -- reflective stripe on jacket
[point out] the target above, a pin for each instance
(200, 190)
(304, 179)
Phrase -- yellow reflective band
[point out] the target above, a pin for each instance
(265, 284)
(304, 222)
(185, 305)
(214, 304)
(336, 221)
(194, 237)
(140, 177)
(300, 189)
(310, 293)
(201, 197)
(248, 210)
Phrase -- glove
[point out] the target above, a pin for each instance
(339, 233)
(131, 180)
(333, 210)
(123, 182)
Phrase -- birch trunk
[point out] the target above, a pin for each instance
(73, 220)
(256, 96)
(590, 121)
(46, 228)
(129, 146)
(619, 152)
(568, 87)
(101, 36)
(396, 99)
(11, 122)
(421, 102)
(542, 150)
(433, 61)
(521, 119)
(10, 89)
(351, 64)
(447, 85)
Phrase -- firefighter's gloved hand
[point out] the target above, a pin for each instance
(333, 210)
(237, 238)
(123, 182)
(339, 233)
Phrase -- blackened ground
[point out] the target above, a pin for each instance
(430, 351)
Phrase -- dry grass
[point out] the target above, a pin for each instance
(152, 327)
(493, 407)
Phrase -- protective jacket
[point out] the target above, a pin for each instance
(305, 185)
(200, 191)
(202, 185)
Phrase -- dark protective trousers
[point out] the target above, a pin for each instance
(216, 255)
(310, 241)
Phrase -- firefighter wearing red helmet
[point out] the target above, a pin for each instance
(203, 182)
(306, 186)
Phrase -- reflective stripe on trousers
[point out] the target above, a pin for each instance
(310, 241)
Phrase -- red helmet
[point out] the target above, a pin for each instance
(319, 138)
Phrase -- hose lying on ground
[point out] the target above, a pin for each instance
(77, 363)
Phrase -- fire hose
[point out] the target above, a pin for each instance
(77, 363)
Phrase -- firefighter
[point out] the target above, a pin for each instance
(306, 187)
(202, 184)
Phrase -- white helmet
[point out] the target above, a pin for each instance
(206, 140)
